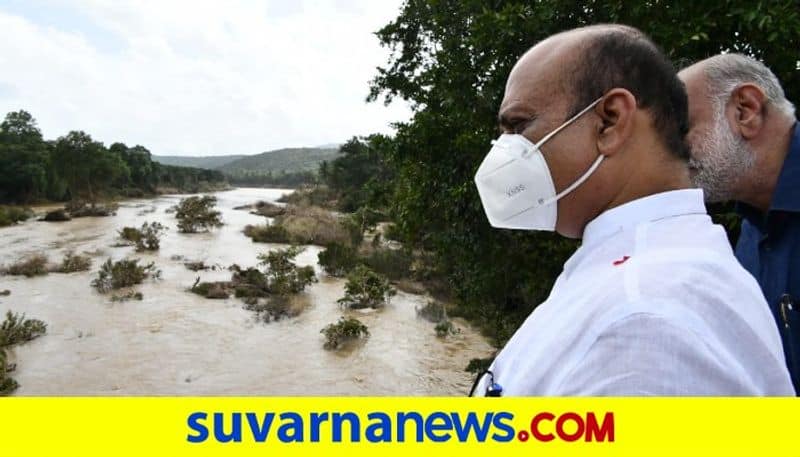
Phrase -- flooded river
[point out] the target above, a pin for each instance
(177, 343)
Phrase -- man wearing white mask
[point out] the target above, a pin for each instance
(653, 302)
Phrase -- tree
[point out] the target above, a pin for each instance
(450, 60)
(197, 213)
(24, 158)
(87, 166)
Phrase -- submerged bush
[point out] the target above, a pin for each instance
(283, 276)
(74, 262)
(301, 225)
(346, 329)
(123, 273)
(57, 215)
(366, 289)
(15, 329)
(12, 214)
(267, 292)
(268, 209)
(197, 213)
(131, 295)
(146, 238)
(338, 259)
(212, 290)
(445, 328)
(35, 265)
(433, 312)
(267, 233)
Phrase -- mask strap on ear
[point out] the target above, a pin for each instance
(568, 122)
(577, 183)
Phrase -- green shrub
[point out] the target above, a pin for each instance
(131, 295)
(12, 214)
(74, 262)
(311, 196)
(338, 259)
(267, 233)
(392, 263)
(197, 213)
(35, 265)
(433, 311)
(123, 273)
(283, 277)
(476, 366)
(146, 238)
(346, 329)
(15, 330)
(366, 289)
(445, 328)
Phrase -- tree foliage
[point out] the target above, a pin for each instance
(75, 166)
(197, 213)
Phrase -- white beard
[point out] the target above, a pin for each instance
(719, 161)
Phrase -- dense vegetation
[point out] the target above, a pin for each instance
(76, 167)
(450, 61)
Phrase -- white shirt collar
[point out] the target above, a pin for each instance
(646, 209)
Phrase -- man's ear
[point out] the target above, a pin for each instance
(747, 103)
(616, 112)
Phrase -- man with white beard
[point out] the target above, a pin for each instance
(746, 147)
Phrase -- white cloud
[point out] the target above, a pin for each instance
(198, 78)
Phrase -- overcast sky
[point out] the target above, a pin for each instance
(197, 77)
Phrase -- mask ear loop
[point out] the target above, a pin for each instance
(577, 183)
(591, 169)
(568, 122)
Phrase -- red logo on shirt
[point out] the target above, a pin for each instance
(619, 262)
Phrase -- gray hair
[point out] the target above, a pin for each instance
(725, 72)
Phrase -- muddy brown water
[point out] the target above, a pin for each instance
(176, 343)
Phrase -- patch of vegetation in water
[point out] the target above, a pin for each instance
(123, 273)
(74, 262)
(366, 289)
(16, 329)
(33, 265)
(10, 215)
(342, 332)
(267, 291)
(145, 238)
(196, 214)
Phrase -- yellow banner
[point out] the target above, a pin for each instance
(218, 426)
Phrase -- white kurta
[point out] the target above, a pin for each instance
(653, 303)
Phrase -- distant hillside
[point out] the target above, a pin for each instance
(210, 162)
(291, 160)
(284, 167)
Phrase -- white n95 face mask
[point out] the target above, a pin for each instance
(515, 184)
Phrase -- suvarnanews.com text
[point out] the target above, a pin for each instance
(399, 427)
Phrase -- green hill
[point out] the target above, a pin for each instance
(281, 161)
(284, 167)
(209, 162)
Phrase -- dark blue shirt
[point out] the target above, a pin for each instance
(769, 248)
